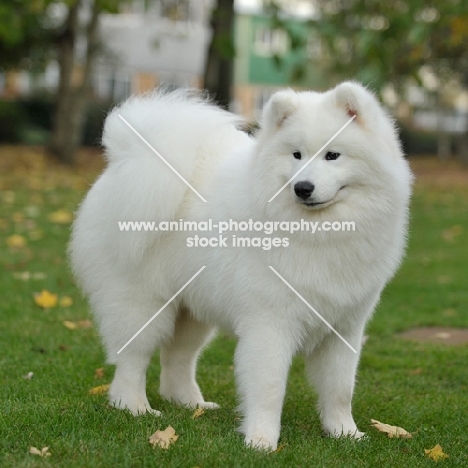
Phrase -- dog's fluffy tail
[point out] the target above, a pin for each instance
(188, 132)
(174, 123)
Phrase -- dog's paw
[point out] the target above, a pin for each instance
(260, 443)
(145, 410)
(208, 405)
(352, 433)
(137, 409)
(358, 435)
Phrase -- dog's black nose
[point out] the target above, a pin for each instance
(303, 189)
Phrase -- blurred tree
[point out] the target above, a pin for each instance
(381, 41)
(34, 31)
(387, 42)
(219, 61)
(21, 32)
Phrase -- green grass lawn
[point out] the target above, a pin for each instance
(419, 386)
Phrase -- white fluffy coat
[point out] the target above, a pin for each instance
(128, 276)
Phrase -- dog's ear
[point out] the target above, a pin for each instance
(357, 101)
(280, 106)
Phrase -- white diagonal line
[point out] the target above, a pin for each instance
(161, 158)
(312, 158)
(161, 309)
(312, 309)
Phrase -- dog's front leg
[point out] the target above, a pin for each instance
(331, 368)
(262, 361)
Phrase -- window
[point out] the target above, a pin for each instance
(270, 42)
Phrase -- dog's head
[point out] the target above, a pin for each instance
(325, 147)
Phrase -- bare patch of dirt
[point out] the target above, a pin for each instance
(449, 336)
(435, 173)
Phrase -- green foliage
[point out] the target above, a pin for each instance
(29, 121)
(22, 33)
(378, 42)
(28, 36)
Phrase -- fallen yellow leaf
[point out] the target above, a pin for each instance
(280, 447)
(164, 438)
(46, 299)
(35, 234)
(436, 453)
(392, 431)
(26, 275)
(61, 217)
(44, 452)
(100, 389)
(16, 241)
(78, 324)
(18, 217)
(65, 301)
(70, 325)
(197, 413)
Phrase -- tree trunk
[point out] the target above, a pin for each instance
(463, 148)
(219, 62)
(71, 99)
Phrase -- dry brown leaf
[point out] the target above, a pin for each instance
(35, 234)
(61, 217)
(99, 373)
(280, 447)
(197, 413)
(392, 431)
(100, 389)
(164, 439)
(46, 299)
(44, 452)
(85, 323)
(450, 234)
(16, 241)
(18, 217)
(436, 453)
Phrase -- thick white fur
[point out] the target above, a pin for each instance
(128, 276)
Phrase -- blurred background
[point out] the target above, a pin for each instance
(64, 63)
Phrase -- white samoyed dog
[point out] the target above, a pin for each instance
(360, 176)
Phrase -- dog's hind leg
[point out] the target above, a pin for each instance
(179, 360)
(128, 388)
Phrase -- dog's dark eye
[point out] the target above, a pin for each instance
(297, 154)
(331, 156)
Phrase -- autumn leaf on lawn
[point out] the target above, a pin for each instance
(78, 324)
(436, 453)
(164, 438)
(44, 452)
(280, 447)
(65, 301)
(16, 241)
(392, 431)
(197, 413)
(100, 389)
(27, 275)
(46, 299)
(99, 373)
(61, 217)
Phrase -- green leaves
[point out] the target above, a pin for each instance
(392, 40)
